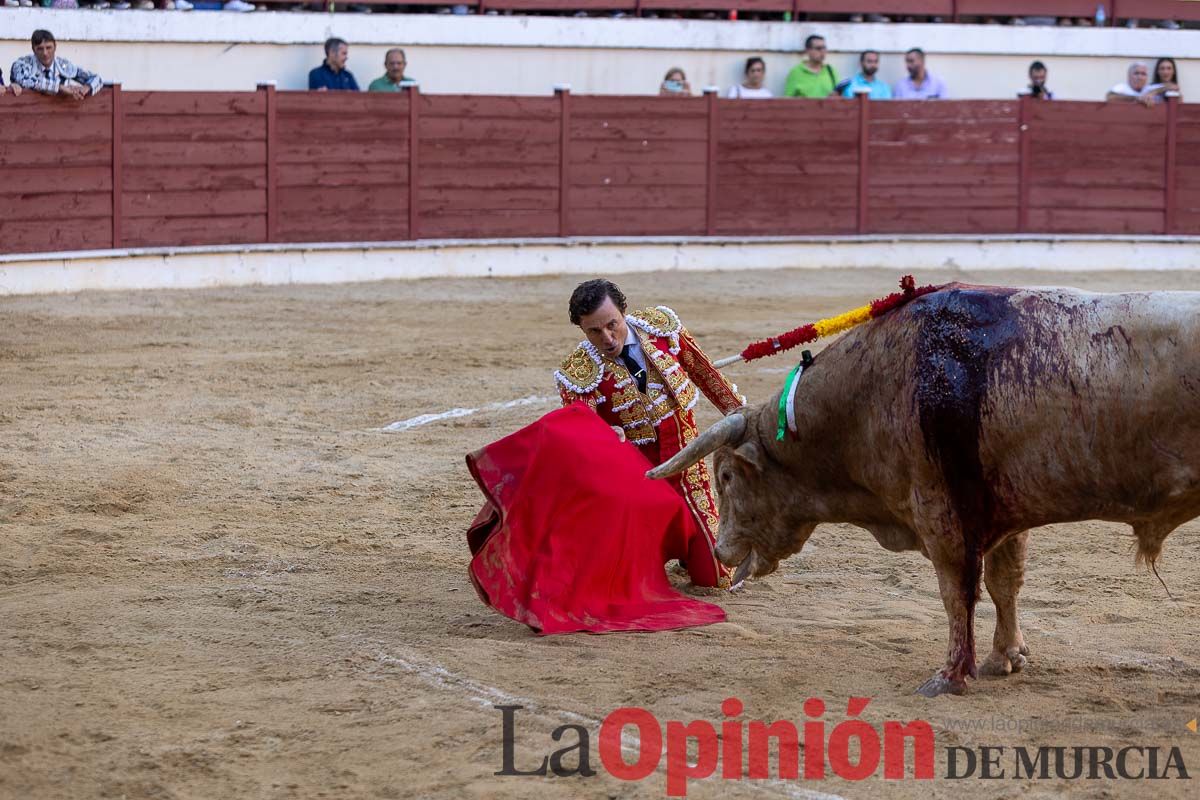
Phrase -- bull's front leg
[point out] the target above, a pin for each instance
(1004, 573)
(958, 575)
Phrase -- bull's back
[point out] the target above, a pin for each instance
(1051, 405)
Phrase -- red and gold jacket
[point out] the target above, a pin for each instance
(676, 369)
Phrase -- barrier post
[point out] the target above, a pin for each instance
(711, 95)
(563, 92)
(1170, 185)
(863, 98)
(1024, 159)
(414, 152)
(118, 120)
(272, 132)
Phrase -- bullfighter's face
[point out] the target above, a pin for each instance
(757, 528)
(606, 328)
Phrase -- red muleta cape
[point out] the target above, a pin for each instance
(573, 536)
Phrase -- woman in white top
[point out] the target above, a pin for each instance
(751, 87)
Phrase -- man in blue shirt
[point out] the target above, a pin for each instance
(865, 80)
(332, 75)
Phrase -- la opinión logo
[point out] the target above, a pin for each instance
(740, 744)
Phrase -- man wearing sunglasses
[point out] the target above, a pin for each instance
(812, 77)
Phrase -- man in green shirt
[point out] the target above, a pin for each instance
(812, 77)
(394, 61)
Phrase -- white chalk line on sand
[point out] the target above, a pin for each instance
(437, 676)
(425, 419)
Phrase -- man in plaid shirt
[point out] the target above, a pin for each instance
(44, 73)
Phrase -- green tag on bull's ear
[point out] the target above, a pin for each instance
(787, 418)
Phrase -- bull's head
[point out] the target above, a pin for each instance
(758, 505)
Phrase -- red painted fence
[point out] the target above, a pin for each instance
(143, 169)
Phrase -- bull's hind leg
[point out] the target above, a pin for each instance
(1004, 573)
(958, 581)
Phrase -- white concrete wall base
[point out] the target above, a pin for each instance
(202, 267)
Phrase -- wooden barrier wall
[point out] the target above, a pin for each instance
(142, 169)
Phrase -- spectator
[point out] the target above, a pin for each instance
(1136, 88)
(1037, 82)
(920, 84)
(1166, 77)
(751, 87)
(42, 72)
(865, 80)
(675, 84)
(393, 79)
(812, 77)
(332, 75)
(15, 89)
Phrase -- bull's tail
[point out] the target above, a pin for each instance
(1150, 538)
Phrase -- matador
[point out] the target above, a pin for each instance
(643, 374)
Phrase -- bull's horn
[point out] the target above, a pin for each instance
(743, 569)
(729, 430)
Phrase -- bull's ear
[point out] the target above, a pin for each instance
(750, 457)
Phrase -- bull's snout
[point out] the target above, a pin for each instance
(731, 554)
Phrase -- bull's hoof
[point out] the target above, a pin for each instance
(1000, 664)
(941, 683)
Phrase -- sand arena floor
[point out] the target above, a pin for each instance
(219, 578)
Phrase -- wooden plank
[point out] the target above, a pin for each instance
(52, 108)
(927, 113)
(586, 106)
(179, 128)
(389, 128)
(644, 197)
(379, 228)
(1057, 8)
(562, 5)
(746, 6)
(53, 235)
(320, 202)
(1067, 114)
(1095, 197)
(885, 175)
(342, 105)
(920, 156)
(637, 128)
(834, 152)
(136, 104)
(537, 176)
(465, 200)
(924, 7)
(366, 176)
(32, 127)
(193, 203)
(216, 154)
(539, 109)
(611, 174)
(468, 152)
(785, 111)
(510, 223)
(661, 151)
(117, 144)
(544, 131)
(62, 206)
(772, 170)
(294, 152)
(783, 221)
(184, 231)
(204, 178)
(950, 135)
(1156, 9)
(1073, 220)
(765, 198)
(637, 221)
(946, 219)
(41, 180)
(45, 154)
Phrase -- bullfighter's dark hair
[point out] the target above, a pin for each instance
(589, 295)
(41, 36)
(809, 41)
(333, 43)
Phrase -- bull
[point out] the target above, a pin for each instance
(958, 422)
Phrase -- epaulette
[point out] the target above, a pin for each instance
(582, 371)
(658, 321)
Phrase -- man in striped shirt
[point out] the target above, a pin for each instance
(42, 72)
